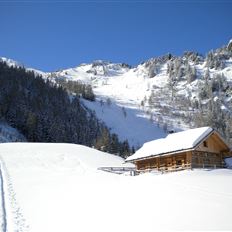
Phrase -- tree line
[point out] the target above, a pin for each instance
(44, 112)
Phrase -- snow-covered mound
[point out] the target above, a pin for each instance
(56, 187)
(35, 170)
(52, 155)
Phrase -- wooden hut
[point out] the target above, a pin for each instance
(195, 148)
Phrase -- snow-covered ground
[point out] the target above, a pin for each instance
(57, 187)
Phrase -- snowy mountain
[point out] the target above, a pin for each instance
(10, 62)
(13, 63)
(57, 187)
(126, 88)
(167, 93)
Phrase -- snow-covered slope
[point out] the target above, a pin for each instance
(56, 187)
(126, 88)
(161, 94)
(10, 62)
(165, 92)
(70, 156)
(43, 181)
(13, 63)
(129, 123)
(109, 81)
(10, 134)
(116, 81)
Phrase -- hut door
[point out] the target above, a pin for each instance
(169, 162)
(179, 162)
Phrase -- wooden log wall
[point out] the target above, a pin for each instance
(202, 159)
(165, 162)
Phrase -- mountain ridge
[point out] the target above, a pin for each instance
(170, 92)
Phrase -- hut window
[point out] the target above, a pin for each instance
(205, 144)
(179, 162)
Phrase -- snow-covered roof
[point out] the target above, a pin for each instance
(183, 140)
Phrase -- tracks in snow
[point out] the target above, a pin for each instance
(11, 217)
(3, 220)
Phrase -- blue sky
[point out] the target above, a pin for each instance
(51, 35)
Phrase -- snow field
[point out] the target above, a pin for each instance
(59, 188)
(47, 179)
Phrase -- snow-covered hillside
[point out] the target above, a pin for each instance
(57, 187)
(125, 87)
(168, 92)
(13, 63)
(10, 62)
(129, 123)
(45, 182)
(159, 95)
(10, 134)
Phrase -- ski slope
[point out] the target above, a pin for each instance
(57, 187)
(126, 88)
(129, 123)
